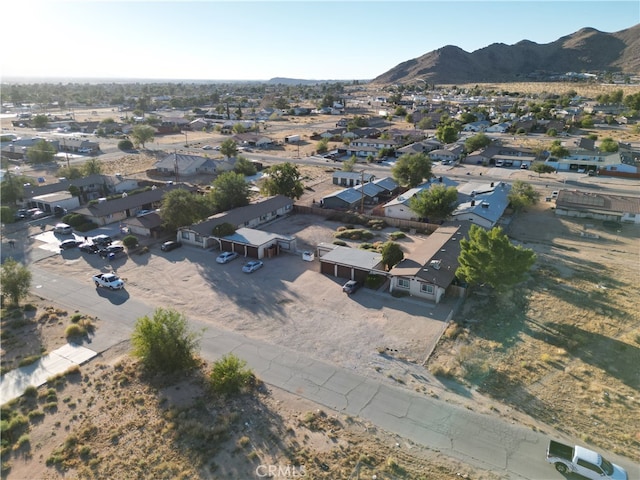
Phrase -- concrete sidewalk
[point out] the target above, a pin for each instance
(14, 383)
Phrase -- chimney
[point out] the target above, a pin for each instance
(492, 184)
(473, 203)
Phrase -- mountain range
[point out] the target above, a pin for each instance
(587, 50)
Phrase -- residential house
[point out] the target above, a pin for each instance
(351, 263)
(250, 216)
(451, 153)
(346, 199)
(400, 207)
(147, 225)
(253, 140)
(428, 270)
(370, 192)
(601, 206)
(105, 212)
(184, 165)
(87, 188)
(480, 126)
(350, 179)
(482, 204)
(389, 186)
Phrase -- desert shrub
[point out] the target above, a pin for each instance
(75, 318)
(374, 281)
(74, 330)
(340, 243)
(397, 235)
(355, 234)
(376, 224)
(29, 360)
(230, 375)
(349, 218)
(31, 391)
(130, 241)
(164, 342)
(366, 246)
(74, 219)
(125, 145)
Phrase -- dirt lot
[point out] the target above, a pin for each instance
(565, 347)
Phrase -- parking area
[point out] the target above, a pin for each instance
(287, 302)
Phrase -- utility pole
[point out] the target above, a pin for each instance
(175, 164)
(361, 191)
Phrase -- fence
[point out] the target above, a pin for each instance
(394, 222)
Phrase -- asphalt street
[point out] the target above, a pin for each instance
(510, 450)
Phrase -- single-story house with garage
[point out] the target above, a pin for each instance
(602, 206)
(429, 269)
(48, 201)
(148, 225)
(250, 216)
(351, 263)
(252, 243)
(105, 212)
(182, 165)
(346, 199)
(350, 179)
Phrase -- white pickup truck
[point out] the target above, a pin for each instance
(108, 280)
(584, 462)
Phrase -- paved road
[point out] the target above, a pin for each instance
(510, 450)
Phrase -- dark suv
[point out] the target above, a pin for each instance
(102, 240)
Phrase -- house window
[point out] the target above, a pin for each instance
(426, 288)
(198, 238)
(184, 234)
(403, 283)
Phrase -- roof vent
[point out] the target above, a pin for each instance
(102, 200)
(485, 205)
(435, 264)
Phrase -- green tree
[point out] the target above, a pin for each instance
(238, 128)
(230, 190)
(15, 279)
(41, 152)
(244, 166)
(12, 188)
(400, 111)
(142, 134)
(552, 132)
(540, 167)
(557, 150)
(40, 122)
(70, 173)
(476, 142)
(587, 121)
(6, 214)
(425, 123)
(447, 133)
(411, 169)
(283, 179)
(608, 144)
(181, 207)
(392, 254)
(164, 342)
(229, 148)
(489, 258)
(323, 146)
(347, 166)
(522, 195)
(435, 203)
(91, 167)
(229, 375)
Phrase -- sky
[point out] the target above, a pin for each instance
(259, 40)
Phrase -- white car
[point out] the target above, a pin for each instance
(108, 280)
(252, 266)
(226, 257)
(63, 229)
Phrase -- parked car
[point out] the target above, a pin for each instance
(102, 240)
(108, 280)
(89, 248)
(67, 244)
(252, 266)
(350, 287)
(226, 257)
(62, 229)
(207, 147)
(554, 194)
(110, 249)
(170, 245)
(35, 213)
(21, 214)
